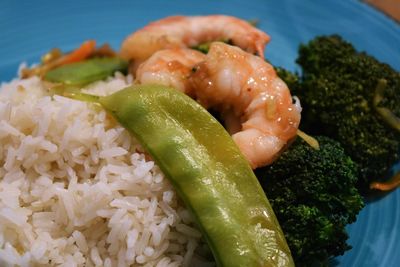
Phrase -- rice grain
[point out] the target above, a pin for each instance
(75, 190)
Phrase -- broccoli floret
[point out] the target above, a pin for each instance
(314, 197)
(292, 80)
(337, 92)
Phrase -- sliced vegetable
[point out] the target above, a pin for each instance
(311, 141)
(81, 73)
(204, 47)
(104, 50)
(55, 58)
(387, 115)
(52, 55)
(207, 170)
(82, 52)
(390, 185)
(254, 22)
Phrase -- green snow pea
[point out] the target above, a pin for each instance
(85, 72)
(207, 170)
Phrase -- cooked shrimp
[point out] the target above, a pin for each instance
(244, 86)
(171, 67)
(181, 31)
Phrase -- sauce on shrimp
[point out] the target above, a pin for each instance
(170, 67)
(189, 31)
(243, 86)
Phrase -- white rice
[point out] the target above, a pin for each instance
(75, 190)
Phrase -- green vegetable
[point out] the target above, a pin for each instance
(337, 93)
(204, 47)
(387, 115)
(207, 170)
(85, 72)
(292, 80)
(314, 197)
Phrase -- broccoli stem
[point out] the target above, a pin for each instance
(387, 115)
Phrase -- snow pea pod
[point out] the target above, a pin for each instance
(85, 72)
(207, 170)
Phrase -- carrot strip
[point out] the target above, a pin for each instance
(84, 51)
(389, 185)
(80, 53)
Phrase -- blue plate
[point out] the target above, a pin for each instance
(28, 29)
